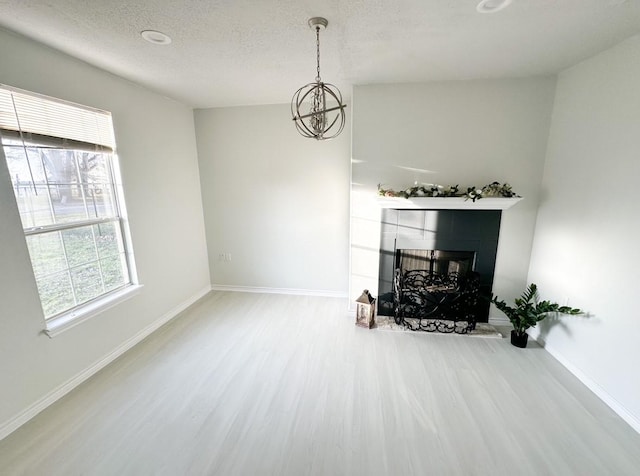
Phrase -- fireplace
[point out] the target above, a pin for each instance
(451, 253)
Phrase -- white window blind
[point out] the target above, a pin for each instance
(36, 114)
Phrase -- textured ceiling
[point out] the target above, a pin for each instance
(241, 52)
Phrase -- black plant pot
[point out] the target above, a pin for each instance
(519, 340)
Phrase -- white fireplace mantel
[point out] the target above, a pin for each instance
(446, 203)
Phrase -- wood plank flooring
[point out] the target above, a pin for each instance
(263, 384)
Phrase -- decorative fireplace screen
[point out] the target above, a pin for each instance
(436, 290)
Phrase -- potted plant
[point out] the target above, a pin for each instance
(528, 311)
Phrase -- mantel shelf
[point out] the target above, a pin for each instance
(447, 203)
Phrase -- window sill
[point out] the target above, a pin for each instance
(59, 324)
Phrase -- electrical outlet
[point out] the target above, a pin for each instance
(224, 257)
(221, 257)
(227, 257)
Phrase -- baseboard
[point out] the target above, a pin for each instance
(601, 393)
(292, 291)
(499, 321)
(23, 417)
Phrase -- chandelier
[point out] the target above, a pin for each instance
(317, 108)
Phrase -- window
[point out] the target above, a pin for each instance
(64, 174)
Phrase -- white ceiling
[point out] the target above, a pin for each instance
(242, 52)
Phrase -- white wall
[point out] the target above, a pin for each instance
(586, 240)
(277, 202)
(157, 150)
(464, 132)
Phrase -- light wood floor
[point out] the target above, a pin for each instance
(250, 384)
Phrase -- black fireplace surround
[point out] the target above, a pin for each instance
(436, 267)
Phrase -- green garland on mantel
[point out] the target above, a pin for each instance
(494, 189)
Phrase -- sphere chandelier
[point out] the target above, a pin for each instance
(317, 108)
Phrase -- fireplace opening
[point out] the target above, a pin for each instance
(436, 261)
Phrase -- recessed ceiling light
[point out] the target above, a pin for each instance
(155, 37)
(492, 6)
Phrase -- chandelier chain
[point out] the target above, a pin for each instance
(318, 53)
